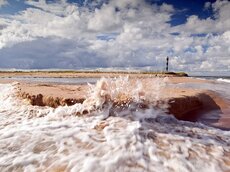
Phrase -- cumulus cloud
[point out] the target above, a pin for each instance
(129, 33)
(219, 24)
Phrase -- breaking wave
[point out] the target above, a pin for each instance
(223, 80)
(111, 131)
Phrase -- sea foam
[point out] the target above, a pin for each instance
(223, 80)
(36, 138)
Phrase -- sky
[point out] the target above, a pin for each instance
(124, 34)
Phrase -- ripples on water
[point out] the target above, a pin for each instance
(132, 139)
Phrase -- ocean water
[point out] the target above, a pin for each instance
(220, 85)
(121, 138)
(55, 80)
(216, 78)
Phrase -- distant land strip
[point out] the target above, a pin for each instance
(87, 73)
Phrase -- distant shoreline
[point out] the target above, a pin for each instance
(96, 73)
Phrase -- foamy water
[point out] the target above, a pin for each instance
(223, 80)
(119, 139)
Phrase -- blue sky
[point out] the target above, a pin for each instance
(124, 34)
(185, 8)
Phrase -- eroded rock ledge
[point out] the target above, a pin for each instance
(40, 100)
(182, 103)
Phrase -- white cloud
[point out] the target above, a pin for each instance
(220, 23)
(69, 21)
(104, 19)
(120, 33)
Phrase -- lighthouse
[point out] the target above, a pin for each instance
(167, 64)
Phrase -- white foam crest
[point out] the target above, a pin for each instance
(112, 89)
(223, 80)
(7, 96)
(132, 140)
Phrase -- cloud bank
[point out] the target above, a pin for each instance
(129, 33)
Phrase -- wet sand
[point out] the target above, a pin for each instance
(184, 103)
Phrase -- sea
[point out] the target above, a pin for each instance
(124, 139)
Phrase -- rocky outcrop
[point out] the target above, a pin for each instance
(185, 107)
(183, 103)
(40, 100)
(182, 107)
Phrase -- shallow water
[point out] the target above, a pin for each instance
(125, 139)
(56, 80)
(220, 86)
